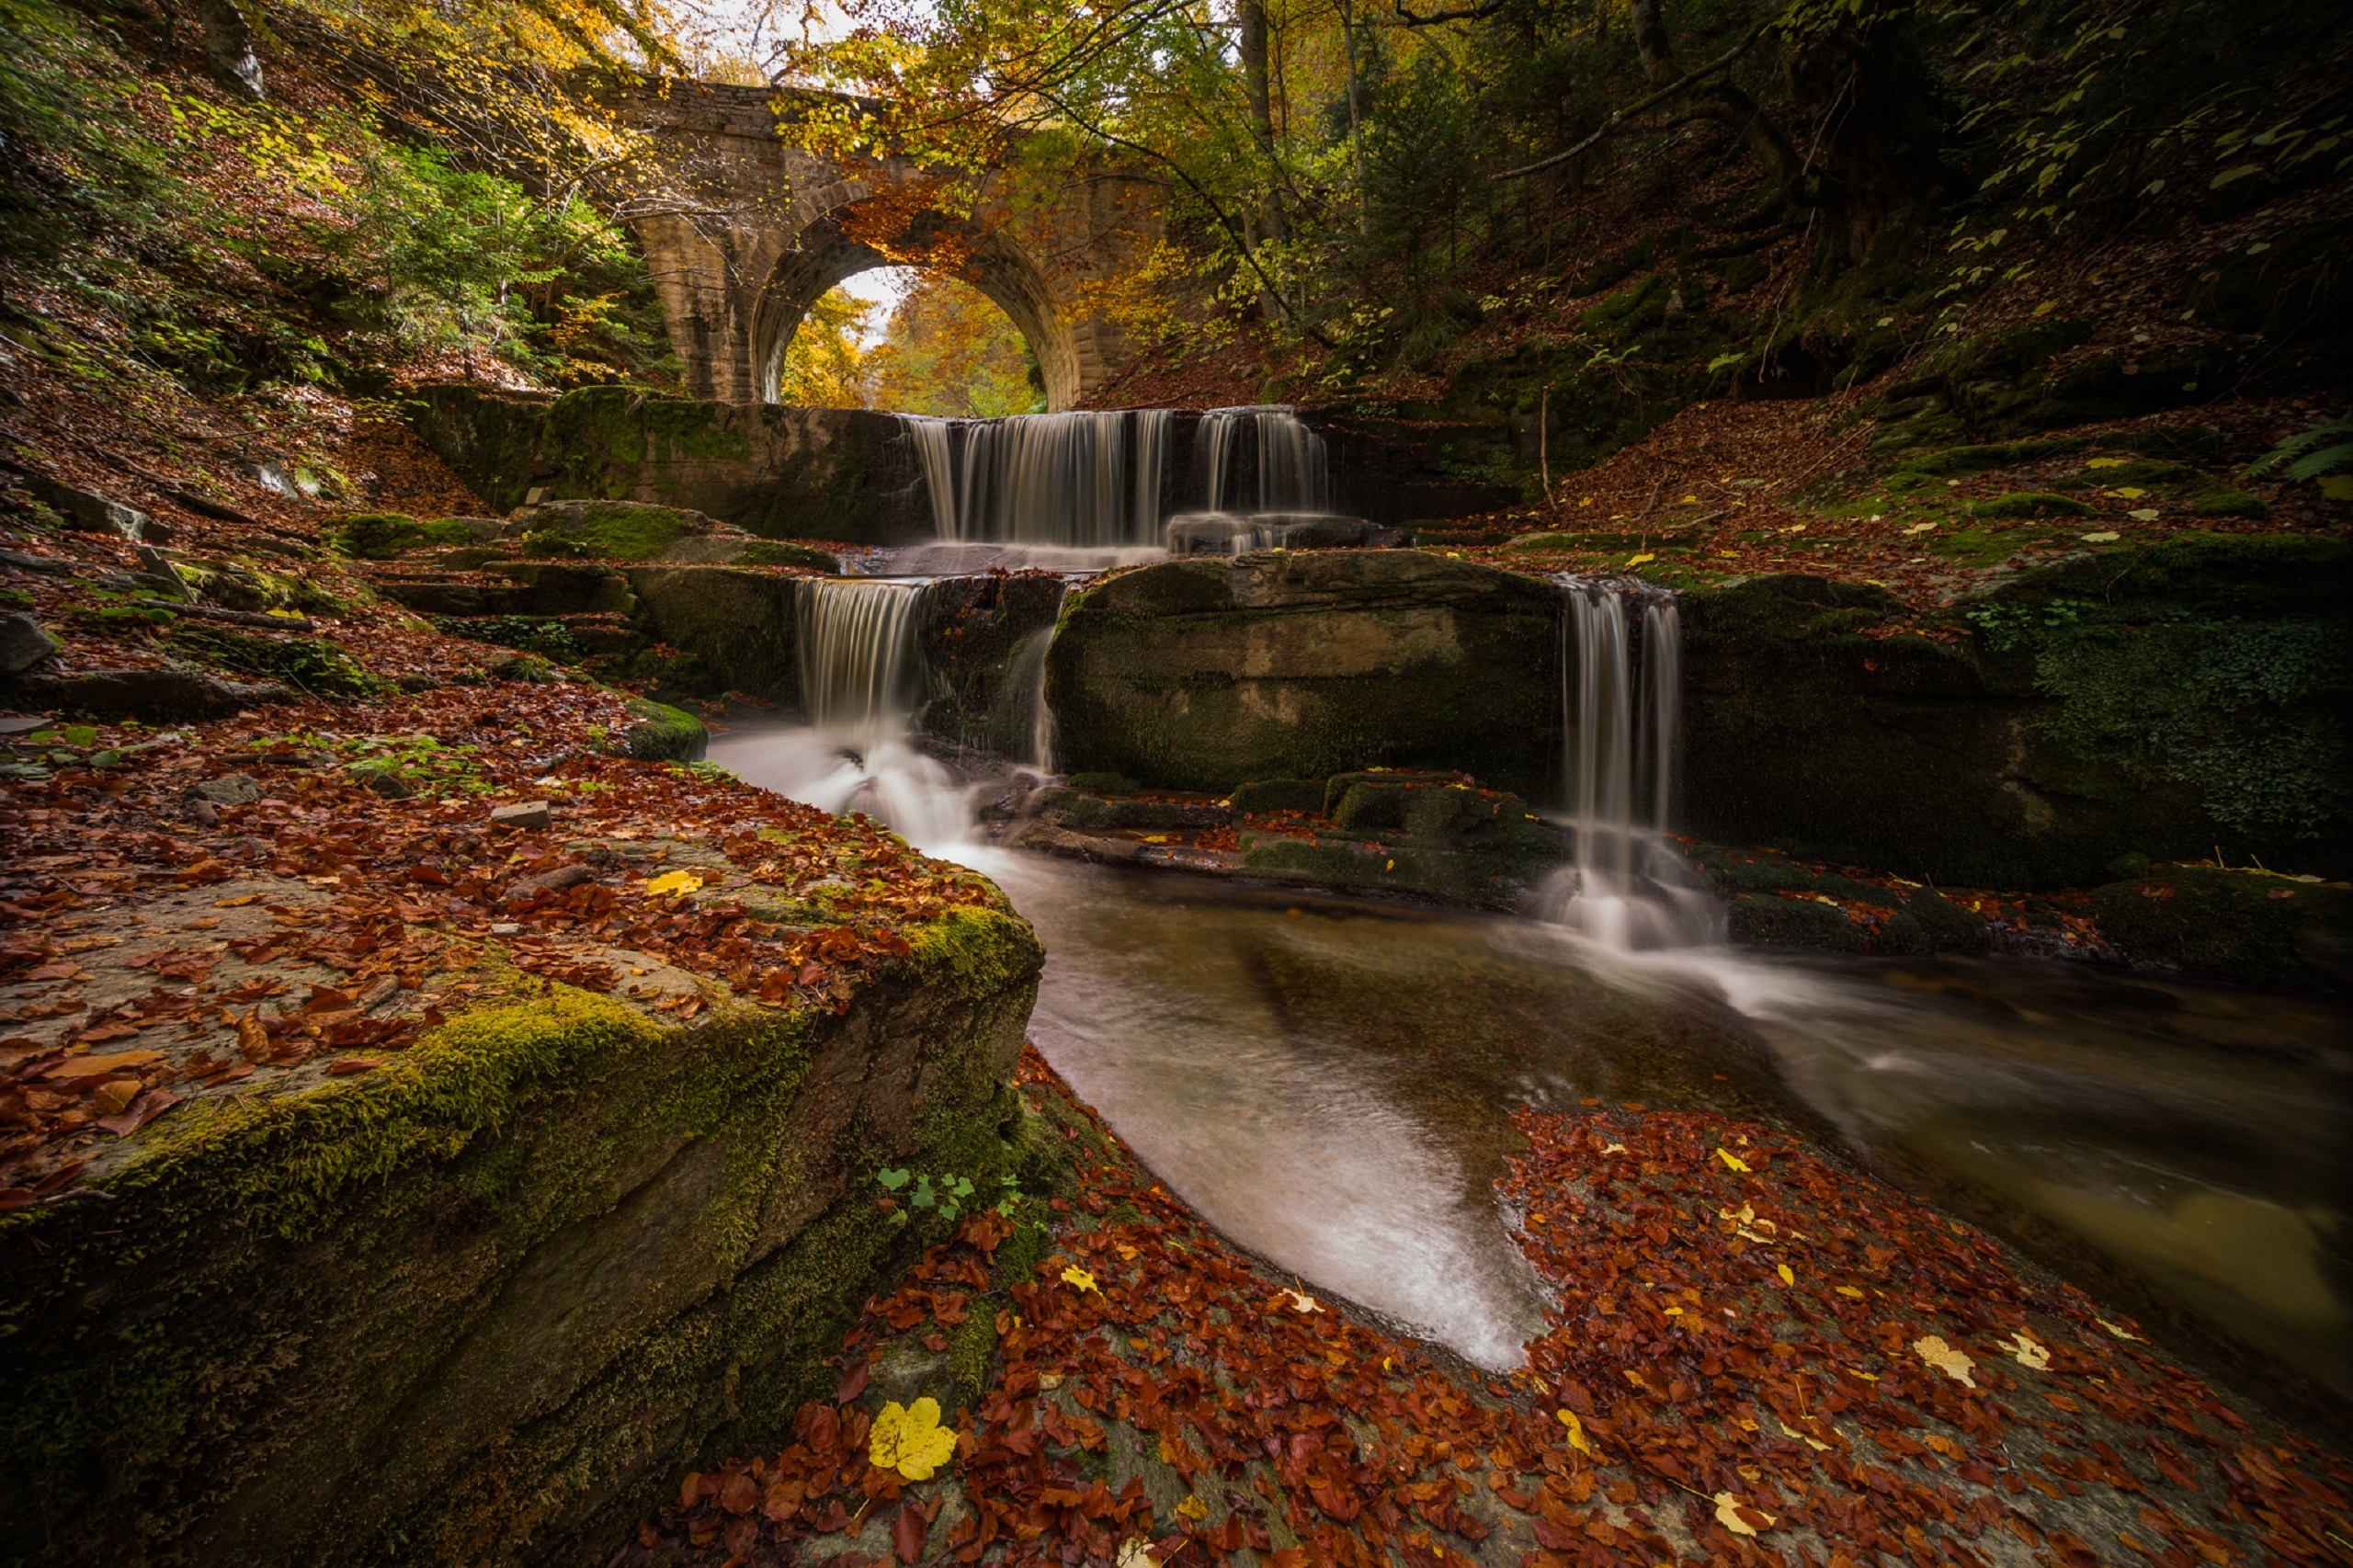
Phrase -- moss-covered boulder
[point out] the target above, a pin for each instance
(606, 530)
(2161, 699)
(781, 472)
(740, 630)
(483, 1303)
(664, 733)
(1434, 834)
(2242, 924)
(1198, 675)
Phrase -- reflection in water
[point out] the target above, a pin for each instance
(1330, 1081)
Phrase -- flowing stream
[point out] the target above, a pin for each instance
(1330, 1080)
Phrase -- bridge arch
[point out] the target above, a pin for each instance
(751, 229)
(826, 253)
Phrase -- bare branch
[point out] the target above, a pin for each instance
(1682, 83)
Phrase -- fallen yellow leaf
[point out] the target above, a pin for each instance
(1137, 1553)
(1787, 1277)
(2129, 491)
(674, 882)
(1789, 1431)
(2118, 1330)
(1729, 1510)
(1638, 560)
(1688, 500)
(2106, 463)
(1192, 1508)
(1850, 1291)
(1577, 1432)
(1078, 1277)
(2101, 535)
(1732, 1160)
(1952, 1363)
(1303, 1304)
(910, 1439)
(2027, 1350)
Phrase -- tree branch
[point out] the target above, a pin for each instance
(1682, 83)
(1474, 14)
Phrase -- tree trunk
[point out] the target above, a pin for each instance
(1882, 169)
(1257, 83)
(229, 47)
(1721, 101)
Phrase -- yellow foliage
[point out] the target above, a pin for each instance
(910, 1439)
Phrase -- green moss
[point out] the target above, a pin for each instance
(607, 530)
(662, 733)
(2240, 925)
(1769, 920)
(2223, 502)
(2030, 504)
(310, 664)
(780, 553)
(1957, 461)
(1279, 795)
(379, 536)
(497, 1287)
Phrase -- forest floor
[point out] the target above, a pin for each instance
(1757, 1355)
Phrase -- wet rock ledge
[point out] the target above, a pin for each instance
(473, 1291)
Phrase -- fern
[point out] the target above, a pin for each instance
(2298, 455)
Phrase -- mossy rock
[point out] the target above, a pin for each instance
(662, 734)
(1957, 461)
(782, 553)
(2221, 501)
(1265, 795)
(379, 535)
(486, 1302)
(1428, 834)
(2164, 697)
(1201, 674)
(1769, 920)
(2235, 925)
(2030, 504)
(607, 530)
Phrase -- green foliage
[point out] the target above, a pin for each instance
(946, 1194)
(529, 633)
(2187, 695)
(2319, 449)
(310, 664)
(71, 166)
(466, 262)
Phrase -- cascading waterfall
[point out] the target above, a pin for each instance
(858, 658)
(862, 679)
(1075, 479)
(1260, 458)
(1620, 699)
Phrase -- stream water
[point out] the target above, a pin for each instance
(1330, 1081)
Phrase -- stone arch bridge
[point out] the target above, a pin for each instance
(759, 228)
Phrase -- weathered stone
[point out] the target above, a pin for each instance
(166, 694)
(740, 626)
(2180, 696)
(1434, 834)
(47, 566)
(385, 781)
(1200, 675)
(1229, 533)
(662, 733)
(484, 1303)
(94, 514)
(2244, 925)
(23, 644)
(522, 814)
(229, 789)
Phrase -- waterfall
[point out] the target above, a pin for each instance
(1032, 730)
(1074, 480)
(1621, 649)
(858, 664)
(1281, 464)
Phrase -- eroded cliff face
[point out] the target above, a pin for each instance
(2157, 702)
(1200, 675)
(782, 472)
(470, 1307)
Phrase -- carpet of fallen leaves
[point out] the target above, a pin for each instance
(1745, 488)
(315, 923)
(1756, 1356)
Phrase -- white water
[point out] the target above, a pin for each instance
(1260, 458)
(1352, 1143)
(1627, 888)
(1076, 480)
